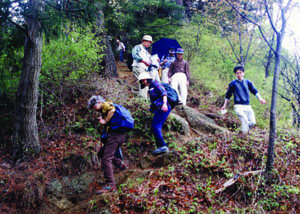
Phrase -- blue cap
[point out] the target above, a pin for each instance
(171, 50)
(179, 51)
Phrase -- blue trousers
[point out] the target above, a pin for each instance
(121, 55)
(158, 121)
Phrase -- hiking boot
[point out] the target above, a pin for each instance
(160, 150)
(106, 189)
(252, 126)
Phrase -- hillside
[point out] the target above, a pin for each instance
(209, 169)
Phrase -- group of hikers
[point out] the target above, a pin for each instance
(117, 120)
(175, 70)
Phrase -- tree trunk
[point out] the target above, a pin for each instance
(25, 137)
(269, 59)
(241, 58)
(108, 62)
(296, 116)
(109, 59)
(279, 38)
(272, 136)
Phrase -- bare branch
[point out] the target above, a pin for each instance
(254, 23)
(233, 49)
(249, 44)
(270, 17)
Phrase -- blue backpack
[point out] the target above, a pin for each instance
(122, 119)
(172, 95)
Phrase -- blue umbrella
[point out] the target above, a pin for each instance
(162, 46)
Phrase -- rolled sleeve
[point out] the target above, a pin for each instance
(136, 53)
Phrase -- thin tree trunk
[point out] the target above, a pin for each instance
(279, 38)
(296, 116)
(269, 59)
(272, 136)
(241, 58)
(25, 137)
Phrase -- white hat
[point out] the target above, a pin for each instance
(144, 75)
(147, 38)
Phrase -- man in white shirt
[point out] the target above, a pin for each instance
(121, 49)
(142, 60)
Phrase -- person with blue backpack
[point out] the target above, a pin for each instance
(116, 121)
(163, 98)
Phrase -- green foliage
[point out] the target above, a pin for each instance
(11, 55)
(209, 65)
(84, 125)
(212, 64)
(70, 58)
(270, 201)
(10, 70)
(133, 19)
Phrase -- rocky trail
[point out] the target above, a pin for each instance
(195, 125)
(208, 167)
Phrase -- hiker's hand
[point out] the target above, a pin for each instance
(164, 107)
(262, 101)
(146, 63)
(163, 62)
(223, 108)
(187, 83)
(102, 121)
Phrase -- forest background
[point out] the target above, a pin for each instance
(53, 52)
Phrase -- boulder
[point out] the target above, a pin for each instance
(199, 121)
(67, 191)
(185, 128)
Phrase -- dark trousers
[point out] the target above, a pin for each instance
(121, 55)
(158, 121)
(108, 157)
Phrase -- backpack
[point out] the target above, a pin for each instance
(173, 98)
(122, 119)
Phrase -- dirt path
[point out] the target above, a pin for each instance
(125, 73)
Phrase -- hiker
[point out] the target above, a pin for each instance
(159, 106)
(240, 89)
(141, 61)
(179, 75)
(154, 67)
(166, 63)
(121, 49)
(112, 137)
